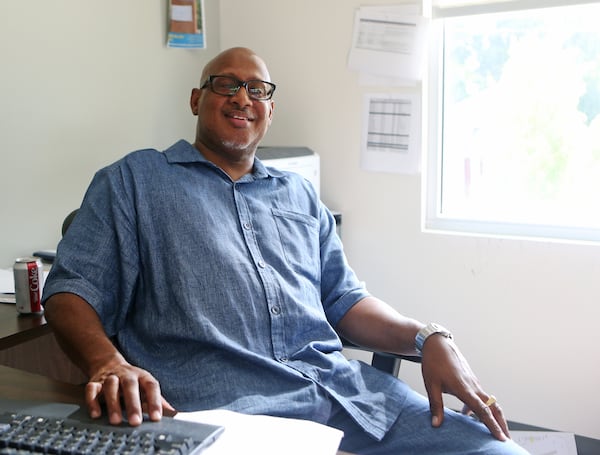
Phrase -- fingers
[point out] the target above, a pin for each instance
(491, 415)
(499, 416)
(136, 393)
(436, 404)
(168, 410)
(106, 391)
(93, 392)
(445, 370)
(130, 391)
(152, 398)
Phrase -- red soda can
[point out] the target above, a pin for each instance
(29, 279)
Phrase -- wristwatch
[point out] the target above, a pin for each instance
(430, 329)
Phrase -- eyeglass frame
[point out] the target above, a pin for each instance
(209, 83)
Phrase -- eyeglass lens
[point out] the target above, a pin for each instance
(228, 86)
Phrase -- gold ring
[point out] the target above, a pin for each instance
(491, 400)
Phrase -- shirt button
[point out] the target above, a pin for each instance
(247, 226)
(262, 264)
(276, 310)
(283, 359)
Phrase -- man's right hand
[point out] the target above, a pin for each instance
(113, 382)
(123, 385)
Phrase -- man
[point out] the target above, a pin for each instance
(196, 278)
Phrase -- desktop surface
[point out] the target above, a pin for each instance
(17, 328)
(20, 385)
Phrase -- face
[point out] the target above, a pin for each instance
(231, 127)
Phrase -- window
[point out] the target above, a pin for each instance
(514, 144)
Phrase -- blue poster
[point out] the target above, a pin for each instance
(186, 24)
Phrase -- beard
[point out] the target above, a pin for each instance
(240, 146)
(235, 145)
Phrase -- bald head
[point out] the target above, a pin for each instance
(239, 57)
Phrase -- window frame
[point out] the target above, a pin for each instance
(433, 219)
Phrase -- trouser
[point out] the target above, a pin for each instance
(412, 433)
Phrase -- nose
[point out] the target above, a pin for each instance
(241, 96)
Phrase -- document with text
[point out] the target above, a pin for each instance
(546, 442)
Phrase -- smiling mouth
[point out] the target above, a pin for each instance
(239, 116)
(238, 120)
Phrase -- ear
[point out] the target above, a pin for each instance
(194, 97)
(271, 110)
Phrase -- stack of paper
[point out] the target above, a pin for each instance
(266, 435)
(7, 286)
(7, 281)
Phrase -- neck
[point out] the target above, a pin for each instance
(235, 163)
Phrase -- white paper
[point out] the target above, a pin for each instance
(546, 442)
(182, 13)
(391, 133)
(368, 79)
(387, 43)
(266, 435)
(7, 281)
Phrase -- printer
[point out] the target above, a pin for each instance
(300, 160)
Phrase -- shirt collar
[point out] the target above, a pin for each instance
(184, 152)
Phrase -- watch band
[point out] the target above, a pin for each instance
(430, 329)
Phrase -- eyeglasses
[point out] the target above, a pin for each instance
(229, 86)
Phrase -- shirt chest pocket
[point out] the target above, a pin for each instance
(299, 237)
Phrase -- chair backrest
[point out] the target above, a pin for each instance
(68, 220)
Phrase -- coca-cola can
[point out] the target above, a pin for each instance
(29, 279)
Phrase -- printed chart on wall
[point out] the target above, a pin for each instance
(391, 133)
(389, 45)
(186, 24)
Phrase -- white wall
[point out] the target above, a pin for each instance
(81, 84)
(524, 313)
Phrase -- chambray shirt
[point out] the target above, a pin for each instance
(227, 292)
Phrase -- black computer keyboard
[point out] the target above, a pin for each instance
(28, 434)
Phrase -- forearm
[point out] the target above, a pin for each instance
(374, 324)
(80, 333)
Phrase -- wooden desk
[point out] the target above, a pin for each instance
(27, 343)
(16, 329)
(21, 385)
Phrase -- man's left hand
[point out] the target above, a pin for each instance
(445, 370)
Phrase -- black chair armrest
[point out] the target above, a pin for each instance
(384, 361)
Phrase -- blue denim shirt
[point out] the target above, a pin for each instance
(227, 292)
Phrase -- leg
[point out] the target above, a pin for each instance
(413, 433)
